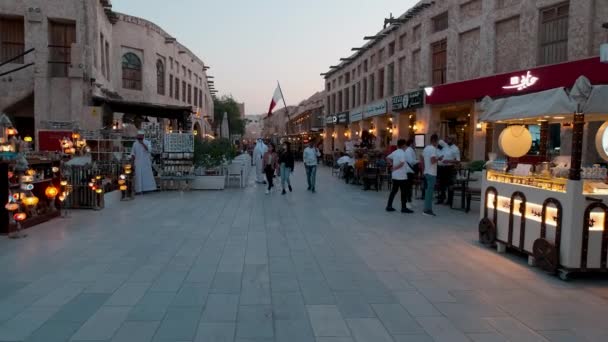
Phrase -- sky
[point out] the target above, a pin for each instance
(250, 45)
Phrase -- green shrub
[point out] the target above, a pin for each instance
(477, 165)
(213, 153)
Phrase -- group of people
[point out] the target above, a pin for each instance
(438, 164)
(270, 163)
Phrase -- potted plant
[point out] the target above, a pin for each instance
(209, 158)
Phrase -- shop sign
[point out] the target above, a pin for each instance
(356, 115)
(522, 82)
(411, 100)
(375, 109)
(331, 119)
(342, 118)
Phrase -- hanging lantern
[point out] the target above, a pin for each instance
(28, 139)
(51, 192)
(61, 197)
(123, 188)
(11, 131)
(128, 172)
(98, 177)
(20, 217)
(30, 172)
(123, 177)
(91, 184)
(99, 190)
(55, 169)
(64, 183)
(75, 136)
(27, 179)
(122, 182)
(30, 201)
(12, 206)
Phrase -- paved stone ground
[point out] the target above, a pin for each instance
(241, 266)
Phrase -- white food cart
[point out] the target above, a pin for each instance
(556, 215)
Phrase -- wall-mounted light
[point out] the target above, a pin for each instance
(429, 91)
(479, 126)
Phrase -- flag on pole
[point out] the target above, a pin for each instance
(278, 96)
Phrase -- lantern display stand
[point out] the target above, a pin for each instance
(555, 212)
(125, 184)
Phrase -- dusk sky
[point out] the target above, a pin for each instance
(252, 44)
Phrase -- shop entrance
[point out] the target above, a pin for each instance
(456, 121)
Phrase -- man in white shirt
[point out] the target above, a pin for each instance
(431, 158)
(447, 166)
(413, 163)
(400, 169)
(311, 156)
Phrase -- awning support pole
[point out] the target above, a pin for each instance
(578, 128)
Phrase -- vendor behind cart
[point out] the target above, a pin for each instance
(447, 166)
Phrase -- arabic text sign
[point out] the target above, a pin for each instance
(522, 82)
(356, 115)
(375, 109)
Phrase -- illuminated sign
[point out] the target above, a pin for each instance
(522, 82)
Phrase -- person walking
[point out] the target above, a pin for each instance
(430, 158)
(446, 171)
(258, 154)
(400, 171)
(286, 164)
(311, 156)
(271, 162)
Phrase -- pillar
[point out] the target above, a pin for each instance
(327, 141)
(544, 139)
(380, 125)
(577, 146)
(340, 138)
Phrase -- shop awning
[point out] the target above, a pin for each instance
(598, 101)
(145, 109)
(544, 103)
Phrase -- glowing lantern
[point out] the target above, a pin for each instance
(28, 139)
(64, 183)
(81, 143)
(98, 177)
(30, 201)
(20, 217)
(11, 174)
(123, 188)
(55, 169)
(123, 177)
(91, 184)
(75, 136)
(72, 150)
(61, 197)
(51, 192)
(128, 171)
(11, 206)
(16, 196)
(99, 191)
(122, 182)
(27, 179)
(11, 131)
(30, 172)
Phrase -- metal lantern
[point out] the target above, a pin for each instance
(51, 192)
(19, 217)
(30, 201)
(11, 206)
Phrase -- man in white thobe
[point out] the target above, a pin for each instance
(142, 162)
(258, 155)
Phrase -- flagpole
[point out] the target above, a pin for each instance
(285, 104)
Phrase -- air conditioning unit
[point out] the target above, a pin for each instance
(604, 53)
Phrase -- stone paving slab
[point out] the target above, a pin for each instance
(241, 266)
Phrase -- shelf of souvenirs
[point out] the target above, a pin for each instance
(534, 181)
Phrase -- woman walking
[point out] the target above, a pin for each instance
(271, 162)
(286, 162)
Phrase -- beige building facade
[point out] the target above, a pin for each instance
(90, 65)
(450, 42)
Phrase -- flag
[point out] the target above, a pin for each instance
(278, 96)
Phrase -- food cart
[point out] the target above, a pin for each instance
(553, 212)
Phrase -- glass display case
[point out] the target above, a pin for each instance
(535, 181)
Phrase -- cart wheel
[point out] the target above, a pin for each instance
(564, 275)
(545, 255)
(487, 232)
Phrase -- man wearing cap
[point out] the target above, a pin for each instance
(142, 161)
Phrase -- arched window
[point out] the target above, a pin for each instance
(160, 77)
(131, 71)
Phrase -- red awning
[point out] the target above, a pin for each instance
(547, 77)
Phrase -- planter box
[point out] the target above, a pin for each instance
(209, 183)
